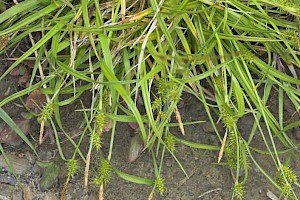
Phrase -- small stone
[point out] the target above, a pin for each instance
(8, 179)
(8, 136)
(50, 196)
(36, 169)
(30, 157)
(17, 194)
(21, 165)
(45, 155)
(93, 196)
(6, 191)
(208, 128)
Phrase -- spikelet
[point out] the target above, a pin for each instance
(170, 142)
(96, 141)
(289, 175)
(167, 90)
(104, 174)
(160, 185)
(105, 99)
(72, 166)
(239, 190)
(162, 115)
(227, 118)
(100, 121)
(219, 83)
(247, 55)
(293, 37)
(46, 114)
(230, 150)
(4, 39)
(244, 156)
(287, 190)
(156, 104)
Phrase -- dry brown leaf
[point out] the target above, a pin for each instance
(35, 101)
(101, 191)
(178, 117)
(87, 168)
(222, 147)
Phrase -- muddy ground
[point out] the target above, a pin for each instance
(206, 179)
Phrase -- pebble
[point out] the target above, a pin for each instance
(9, 136)
(21, 165)
(30, 157)
(208, 128)
(8, 179)
(45, 155)
(17, 194)
(50, 196)
(6, 191)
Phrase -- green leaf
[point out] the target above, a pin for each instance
(49, 176)
(134, 179)
(196, 145)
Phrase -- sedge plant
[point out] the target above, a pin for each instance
(155, 50)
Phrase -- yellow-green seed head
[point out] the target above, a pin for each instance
(170, 142)
(289, 174)
(96, 141)
(162, 115)
(227, 118)
(156, 104)
(97, 180)
(105, 171)
(239, 191)
(100, 120)
(4, 39)
(219, 83)
(231, 158)
(105, 99)
(231, 150)
(47, 112)
(247, 55)
(287, 190)
(167, 90)
(294, 38)
(160, 185)
(72, 166)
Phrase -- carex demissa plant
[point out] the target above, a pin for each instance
(235, 152)
(199, 26)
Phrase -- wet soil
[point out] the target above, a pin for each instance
(206, 179)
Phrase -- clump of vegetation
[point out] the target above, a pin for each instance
(234, 52)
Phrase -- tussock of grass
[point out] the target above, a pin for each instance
(122, 49)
